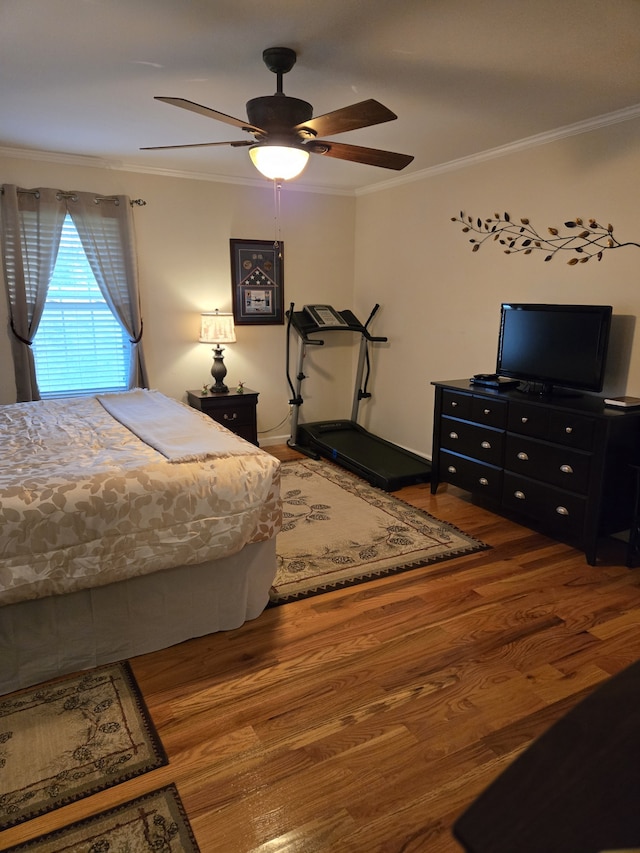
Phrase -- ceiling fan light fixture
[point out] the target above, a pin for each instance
(279, 161)
(285, 131)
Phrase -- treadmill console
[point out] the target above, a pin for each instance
(325, 317)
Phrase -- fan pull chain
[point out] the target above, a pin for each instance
(277, 189)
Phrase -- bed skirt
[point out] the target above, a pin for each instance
(60, 634)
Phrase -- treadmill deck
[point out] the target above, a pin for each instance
(380, 462)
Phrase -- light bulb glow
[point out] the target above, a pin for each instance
(278, 161)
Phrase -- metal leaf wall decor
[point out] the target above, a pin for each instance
(583, 241)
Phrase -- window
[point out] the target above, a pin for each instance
(80, 347)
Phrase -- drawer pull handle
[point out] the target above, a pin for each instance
(524, 420)
(566, 469)
(483, 481)
(452, 469)
(487, 411)
(226, 417)
(486, 445)
(453, 404)
(522, 456)
(520, 495)
(562, 510)
(568, 430)
(453, 435)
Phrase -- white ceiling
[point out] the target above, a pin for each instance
(78, 77)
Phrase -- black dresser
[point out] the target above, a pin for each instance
(559, 463)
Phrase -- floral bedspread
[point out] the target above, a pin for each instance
(84, 502)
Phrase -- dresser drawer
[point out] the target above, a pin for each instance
(482, 443)
(571, 429)
(555, 509)
(550, 463)
(471, 475)
(489, 411)
(527, 419)
(564, 427)
(458, 405)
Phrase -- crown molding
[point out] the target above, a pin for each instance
(256, 183)
(586, 126)
(83, 160)
(55, 157)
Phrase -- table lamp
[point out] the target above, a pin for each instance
(217, 328)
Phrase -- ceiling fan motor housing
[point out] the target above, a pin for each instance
(278, 114)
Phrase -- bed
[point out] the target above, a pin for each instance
(128, 522)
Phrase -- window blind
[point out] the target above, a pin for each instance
(80, 347)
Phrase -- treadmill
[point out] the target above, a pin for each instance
(345, 442)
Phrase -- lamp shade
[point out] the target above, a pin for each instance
(217, 328)
(279, 161)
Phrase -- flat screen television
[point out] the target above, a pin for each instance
(554, 345)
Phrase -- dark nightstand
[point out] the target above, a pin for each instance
(235, 411)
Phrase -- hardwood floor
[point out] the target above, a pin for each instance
(366, 719)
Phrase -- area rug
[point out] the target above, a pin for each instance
(70, 738)
(153, 823)
(338, 531)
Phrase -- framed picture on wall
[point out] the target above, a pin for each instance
(257, 282)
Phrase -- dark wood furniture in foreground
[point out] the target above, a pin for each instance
(235, 411)
(633, 549)
(574, 790)
(560, 463)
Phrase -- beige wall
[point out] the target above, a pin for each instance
(396, 247)
(183, 237)
(441, 302)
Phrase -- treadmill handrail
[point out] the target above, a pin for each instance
(304, 328)
(369, 337)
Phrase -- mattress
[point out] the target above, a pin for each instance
(97, 490)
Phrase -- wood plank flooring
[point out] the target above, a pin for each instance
(365, 720)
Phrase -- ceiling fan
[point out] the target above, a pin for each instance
(285, 133)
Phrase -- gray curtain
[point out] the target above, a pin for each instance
(31, 226)
(31, 223)
(105, 227)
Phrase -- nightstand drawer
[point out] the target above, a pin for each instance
(232, 415)
(247, 432)
(236, 412)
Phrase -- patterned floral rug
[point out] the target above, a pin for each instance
(154, 823)
(338, 531)
(70, 738)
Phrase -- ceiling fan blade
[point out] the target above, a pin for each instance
(364, 114)
(238, 144)
(184, 104)
(358, 154)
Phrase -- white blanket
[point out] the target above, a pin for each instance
(168, 426)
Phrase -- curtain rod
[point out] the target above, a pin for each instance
(140, 202)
